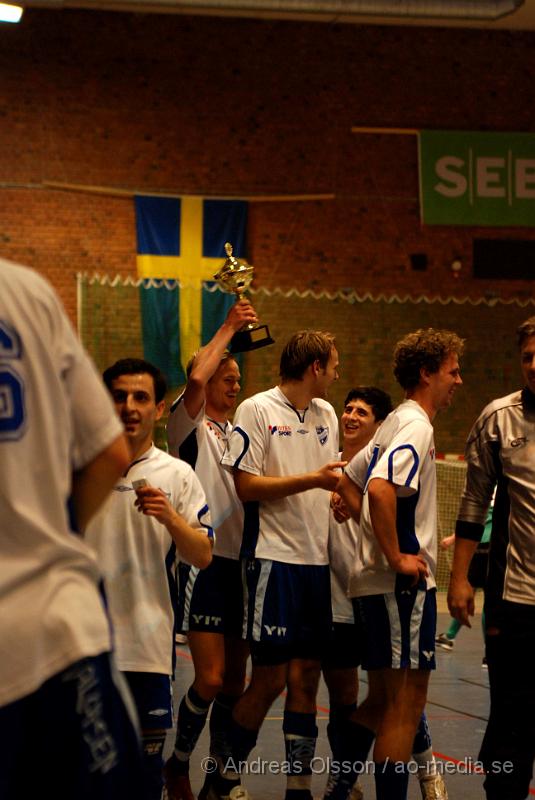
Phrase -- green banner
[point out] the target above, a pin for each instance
(477, 178)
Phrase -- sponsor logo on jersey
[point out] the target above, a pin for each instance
(123, 488)
(280, 430)
(215, 429)
(432, 453)
(322, 432)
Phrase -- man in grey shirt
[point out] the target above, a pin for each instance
(500, 451)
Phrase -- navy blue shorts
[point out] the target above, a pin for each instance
(75, 736)
(398, 629)
(211, 599)
(344, 648)
(287, 610)
(153, 696)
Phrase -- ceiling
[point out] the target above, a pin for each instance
(490, 14)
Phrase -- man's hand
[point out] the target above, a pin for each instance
(461, 600)
(447, 541)
(327, 477)
(240, 314)
(339, 508)
(414, 566)
(154, 503)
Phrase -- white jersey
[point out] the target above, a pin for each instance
(343, 538)
(55, 417)
(137, 557)
(201, 442)
(403, 453)
(271, 438)
(342, 560)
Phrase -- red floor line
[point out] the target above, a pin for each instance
(185, 656)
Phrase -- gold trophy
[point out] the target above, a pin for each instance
(235, 276)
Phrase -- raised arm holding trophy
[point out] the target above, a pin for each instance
(235, 276)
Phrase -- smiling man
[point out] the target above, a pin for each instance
(390, 486)
(500, 454)
(211, 610)
(156, 514)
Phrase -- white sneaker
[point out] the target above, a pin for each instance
(433, 787)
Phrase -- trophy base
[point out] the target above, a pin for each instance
(250, 339)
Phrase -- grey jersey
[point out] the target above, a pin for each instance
(500, 450)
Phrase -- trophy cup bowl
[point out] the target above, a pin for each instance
(235, 276)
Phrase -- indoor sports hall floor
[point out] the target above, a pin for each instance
(457, 711)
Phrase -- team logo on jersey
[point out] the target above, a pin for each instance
(302, 431)
(280, 430)
(519, 442)
(322, 432)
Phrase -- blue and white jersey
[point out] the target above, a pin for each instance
(138, 557)
(272, 438)
(403, 453)
(201, 442)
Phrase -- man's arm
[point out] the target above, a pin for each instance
(460, 591)
(383, 506)
(209, 357)
(193, 545)
(262, 487)
(351, 495)
(92, 483)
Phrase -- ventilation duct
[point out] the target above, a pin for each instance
(442, 9)
(486, 11)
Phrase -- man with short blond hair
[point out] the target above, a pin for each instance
(284, 452)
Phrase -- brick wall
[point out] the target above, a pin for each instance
(365, 332)
(125, 102)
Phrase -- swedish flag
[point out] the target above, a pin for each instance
(183, 238)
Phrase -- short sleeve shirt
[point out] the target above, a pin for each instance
(272, 438)
(201, 442)
(137, 557)
(402, 453)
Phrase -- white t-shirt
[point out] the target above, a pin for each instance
(271, 438)
(138, 558)
(201, 442)
(403, 453)
(342, 560)
(55, 416)
(343, 538)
